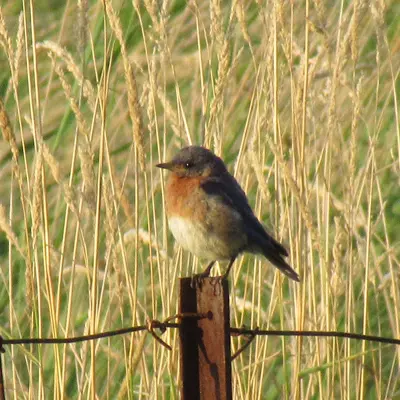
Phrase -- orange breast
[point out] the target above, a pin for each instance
(201, 223)
(184, 197)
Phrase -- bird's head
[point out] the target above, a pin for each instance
(195, 161)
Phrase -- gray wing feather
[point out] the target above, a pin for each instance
(259, 241)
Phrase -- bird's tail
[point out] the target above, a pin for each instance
(260, 241)
(282, 265)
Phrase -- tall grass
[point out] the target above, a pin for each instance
(301, 101)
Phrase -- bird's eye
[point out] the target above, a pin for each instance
(188, 165)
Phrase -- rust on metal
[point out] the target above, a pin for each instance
(205, 343)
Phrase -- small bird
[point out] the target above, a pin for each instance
(209, 215)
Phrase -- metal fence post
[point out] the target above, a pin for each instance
(205, 351)
(2, 390)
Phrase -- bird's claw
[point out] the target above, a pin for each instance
(216, 281)
(197, 280)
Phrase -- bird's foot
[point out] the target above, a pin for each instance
(198, 280)
(217, 281)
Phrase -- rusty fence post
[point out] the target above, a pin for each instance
(205, 350)
(2, 390)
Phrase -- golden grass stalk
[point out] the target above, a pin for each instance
(7, 131)
(135, 111)
(5, 39)
(71, 65)
(6, 228)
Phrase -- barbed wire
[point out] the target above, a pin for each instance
(153, 324)
(332, 334)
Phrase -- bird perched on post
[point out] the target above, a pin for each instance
(209, 215)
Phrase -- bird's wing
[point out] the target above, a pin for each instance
(230, 192)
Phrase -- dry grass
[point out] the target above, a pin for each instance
(300, 99)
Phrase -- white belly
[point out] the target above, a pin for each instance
(194, 238)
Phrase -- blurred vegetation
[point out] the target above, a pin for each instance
(301, 101)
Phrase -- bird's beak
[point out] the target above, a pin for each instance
(167, 165)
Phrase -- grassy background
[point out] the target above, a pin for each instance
(299, 98)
